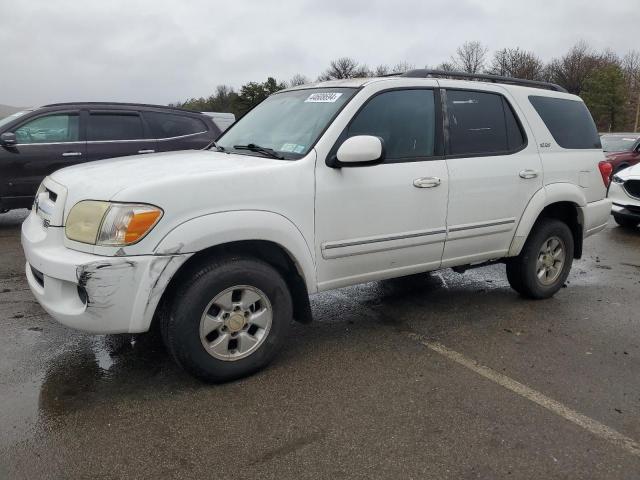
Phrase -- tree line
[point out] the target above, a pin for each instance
(608, 83)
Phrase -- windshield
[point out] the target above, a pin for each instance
(289, 123)
(11, 118)
(618, 143)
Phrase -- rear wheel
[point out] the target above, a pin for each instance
(545, 261)
(229, 319)
(626, 221)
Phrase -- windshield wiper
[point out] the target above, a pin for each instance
(257, 148)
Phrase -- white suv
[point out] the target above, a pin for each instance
(319, 187)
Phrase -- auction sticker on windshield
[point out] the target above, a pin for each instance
(323, 97)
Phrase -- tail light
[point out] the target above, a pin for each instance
(606, 169)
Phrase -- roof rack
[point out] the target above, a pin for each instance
(123, 104)
(425, 73)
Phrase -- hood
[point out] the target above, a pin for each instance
(630, 172)
(103, 180)
(617, 155)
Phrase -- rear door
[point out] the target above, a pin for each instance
(45, 143)
(174, 131)
(117, 133)
(493, 173)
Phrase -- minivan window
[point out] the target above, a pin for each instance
(168, 125)
(481, 123)
(404, 119)
(288, 122)
(114, 126)
(569, 121)
(56, 128)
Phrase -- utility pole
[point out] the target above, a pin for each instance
(635, 127)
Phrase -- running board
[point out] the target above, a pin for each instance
(463, 268)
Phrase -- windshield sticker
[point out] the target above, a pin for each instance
(298, 149)
(323, 97)
(288, 147)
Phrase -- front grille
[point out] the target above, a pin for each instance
(632, 187)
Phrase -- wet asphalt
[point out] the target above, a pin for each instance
(353, 395)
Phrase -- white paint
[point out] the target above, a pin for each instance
(592, 426)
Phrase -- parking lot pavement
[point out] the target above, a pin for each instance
(432, 376)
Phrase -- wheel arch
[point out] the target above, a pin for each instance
(563, 201)
(263, 235)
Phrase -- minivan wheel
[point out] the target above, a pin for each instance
(626, 221)
(545, 261)
(229, 319)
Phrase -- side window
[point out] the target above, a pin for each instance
(55, 128)
(114, 126)
(569, 121)
(404, 119)
(167, 125)
(481, 123)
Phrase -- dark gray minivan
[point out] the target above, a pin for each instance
(35, 143)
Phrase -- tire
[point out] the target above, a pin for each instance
(626, 222)
(523, 271)
(216, 298)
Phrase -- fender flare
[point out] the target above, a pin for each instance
(216, 229)
(549, 194)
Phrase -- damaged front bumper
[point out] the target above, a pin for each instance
(90, 292)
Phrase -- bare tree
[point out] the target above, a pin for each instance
(445, 67)
(513, 62)
(297, 79)
(381, 70)
(402, 67)
(344, 67)
(572, 70)
(470, 57)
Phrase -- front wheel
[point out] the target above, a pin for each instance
(545, 261)
(228, 319)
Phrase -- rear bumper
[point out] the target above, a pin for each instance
(90, 292)
(596, 216)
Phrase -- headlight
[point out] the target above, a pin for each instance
(112, 224)
(617, 179)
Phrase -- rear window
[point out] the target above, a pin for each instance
(167, 125)
(481, 123)
(569, 121)
(114, 126)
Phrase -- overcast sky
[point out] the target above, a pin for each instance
(160, 51)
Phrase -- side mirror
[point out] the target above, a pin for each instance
(8, 139)
(359, 151)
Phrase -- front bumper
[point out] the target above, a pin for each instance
(90, 292)
(624, 204)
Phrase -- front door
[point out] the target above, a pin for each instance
(493, 173)
(44, 144)
(385, 220)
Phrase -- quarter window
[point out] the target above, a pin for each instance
(481, 123)
(56, 128)
(569, 121)
(114, 126)
(404, 119)
(167, 125)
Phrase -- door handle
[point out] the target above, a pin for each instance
(72, 154)
(146, 151)
(426, 182)
(527, 174)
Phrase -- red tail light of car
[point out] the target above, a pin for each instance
(605, 170)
